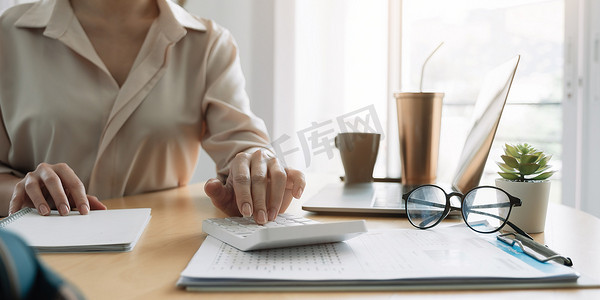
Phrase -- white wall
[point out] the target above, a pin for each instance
(252, 25)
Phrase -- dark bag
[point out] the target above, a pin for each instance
(23, 276)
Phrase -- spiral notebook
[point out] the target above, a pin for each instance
(100, 230)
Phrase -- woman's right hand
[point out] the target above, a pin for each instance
(53, 186)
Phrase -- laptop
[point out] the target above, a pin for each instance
(386, 197)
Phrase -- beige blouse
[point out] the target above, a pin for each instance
(59, 103)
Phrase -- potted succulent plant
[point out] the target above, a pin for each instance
(525, 172)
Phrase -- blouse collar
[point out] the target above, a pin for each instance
(56, 15)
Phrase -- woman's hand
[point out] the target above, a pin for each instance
(257, 185)
(53, 186)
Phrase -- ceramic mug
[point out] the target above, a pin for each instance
(358, 151)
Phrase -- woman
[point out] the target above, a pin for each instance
(102, 99)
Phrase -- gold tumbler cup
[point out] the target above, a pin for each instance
(419, 122)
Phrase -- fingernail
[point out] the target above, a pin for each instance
(261, 217)
(44, 210)
(84, 209)
(272, 214)
(299, 193)
(246, 210)
(64, 209)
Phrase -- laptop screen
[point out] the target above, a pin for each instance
(486, 116)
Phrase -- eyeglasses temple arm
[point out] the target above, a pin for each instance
(494, 205)
(428, 203)
(518, 230)
(513, 226)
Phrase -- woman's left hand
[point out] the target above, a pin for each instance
(257, 185)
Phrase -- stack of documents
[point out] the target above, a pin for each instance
(100, 230)
(444, 258)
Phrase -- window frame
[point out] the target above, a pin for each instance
(581, 105)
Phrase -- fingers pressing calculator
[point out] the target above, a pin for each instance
(285, 231)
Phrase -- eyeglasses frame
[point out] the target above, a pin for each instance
(514, 202)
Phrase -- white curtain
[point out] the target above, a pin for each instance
(339, 80)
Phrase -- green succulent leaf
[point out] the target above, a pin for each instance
(524, 148)
(523, 162)
(542, 176)
(511, 151)
(506, 168)
(528, 169)
(544, 160)
(528, 159)
(542, 169)
(509, 176)
(510, 161)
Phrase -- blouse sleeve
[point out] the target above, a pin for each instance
(229, 124)
(4, 140)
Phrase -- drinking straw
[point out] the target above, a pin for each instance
(424, 64)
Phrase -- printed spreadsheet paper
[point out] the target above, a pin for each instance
(438, 255)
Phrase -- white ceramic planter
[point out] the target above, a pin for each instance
(531, 215)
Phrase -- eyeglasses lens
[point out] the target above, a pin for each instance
(486, 209)
(425, 206)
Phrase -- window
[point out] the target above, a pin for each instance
(477, 36)
(340, 68)
(342, 65)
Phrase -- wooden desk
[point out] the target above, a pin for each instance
(174, 234)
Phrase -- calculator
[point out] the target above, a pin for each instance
(286, 230)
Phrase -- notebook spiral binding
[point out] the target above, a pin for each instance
(11, 218)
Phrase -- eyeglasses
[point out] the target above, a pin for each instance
(484, 209)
